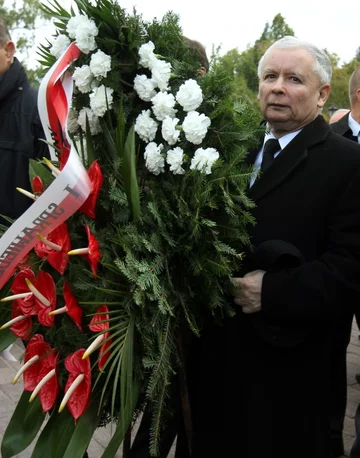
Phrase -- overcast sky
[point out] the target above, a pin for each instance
(236, 24)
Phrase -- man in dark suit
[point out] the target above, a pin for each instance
(305, 267)
(349, 127)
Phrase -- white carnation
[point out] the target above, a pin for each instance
(93, 120)
(189, 95)
(169, 132)
(163, 105)
(144, 87)
(83, 78)
(100, 64)
(84, 31)
(73, 24)
(101, 100)
(154, 161)
(175, 158)
(195, 126)
(59, 45)
(147, 56)
(204, 159)
(160, 74)
(72, 122)
(145, 126)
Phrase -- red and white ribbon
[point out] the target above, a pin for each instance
(70, 188)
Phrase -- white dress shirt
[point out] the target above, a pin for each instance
(284, 141)
(355, 127)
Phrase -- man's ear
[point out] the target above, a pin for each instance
(358, 94)
(10, 50)
(324, 93)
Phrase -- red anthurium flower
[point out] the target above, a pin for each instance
(78, 385)
(37, 186)
(49, 391)
(27, 304)
(56, 252)
(72, 306)
(23, 327)
(100, 323)
(91, 252)
(96, 178)
(35, 347)
(45, 297)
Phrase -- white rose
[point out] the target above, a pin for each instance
(154, 161)
(93, 121)
(189, 95)
(160, 74)
(163, 105)
(144, 87)
(169, 132)
(204, 159)
(100, 64)
(59, 45)
(101, 100)
(195, 127)
(175, 159)
(147, 56)
(83, 78)
(145, 126)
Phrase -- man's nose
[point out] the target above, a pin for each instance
(278, 85)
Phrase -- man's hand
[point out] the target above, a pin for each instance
(247, 291)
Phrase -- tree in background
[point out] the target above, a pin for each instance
(22, 18)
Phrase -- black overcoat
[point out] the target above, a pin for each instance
(260, 383)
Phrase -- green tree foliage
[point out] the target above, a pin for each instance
(22, 18)
(242, 67)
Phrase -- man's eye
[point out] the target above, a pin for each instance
(270, 76)
(295, 79)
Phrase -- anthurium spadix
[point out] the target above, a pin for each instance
(20, 324)
(54, 248)
(71, 308)
(44, 291)
(100, 323)
(78, 385)
(47, 382)
(91, 252)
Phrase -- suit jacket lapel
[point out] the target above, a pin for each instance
(290, 158)
(342, 127)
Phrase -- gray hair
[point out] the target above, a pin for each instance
(322, 64)
(4, 33)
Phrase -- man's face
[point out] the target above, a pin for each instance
(6, 56)
(290, 92)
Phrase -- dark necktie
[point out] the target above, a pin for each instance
(271, 147)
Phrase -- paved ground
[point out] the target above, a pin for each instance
(9, 395)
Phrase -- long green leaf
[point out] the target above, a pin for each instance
(129, 174)
(24, 425)
(37, 168)
(122, 426)
(83, 432)
(55, 437)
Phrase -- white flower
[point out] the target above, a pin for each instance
(73, 24)
(100, 64)
(72, 122)
(101, 100)
(163, 105)
(93, 120)
(147, 56)
(175, 159)
(195, 127)
(204, 159)
(189, 95)
(145, 126)
(144, 87)
(169, 132)
(83, 78)
(160, 74)
(154, 161)
(59, 45)
(84, 31)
